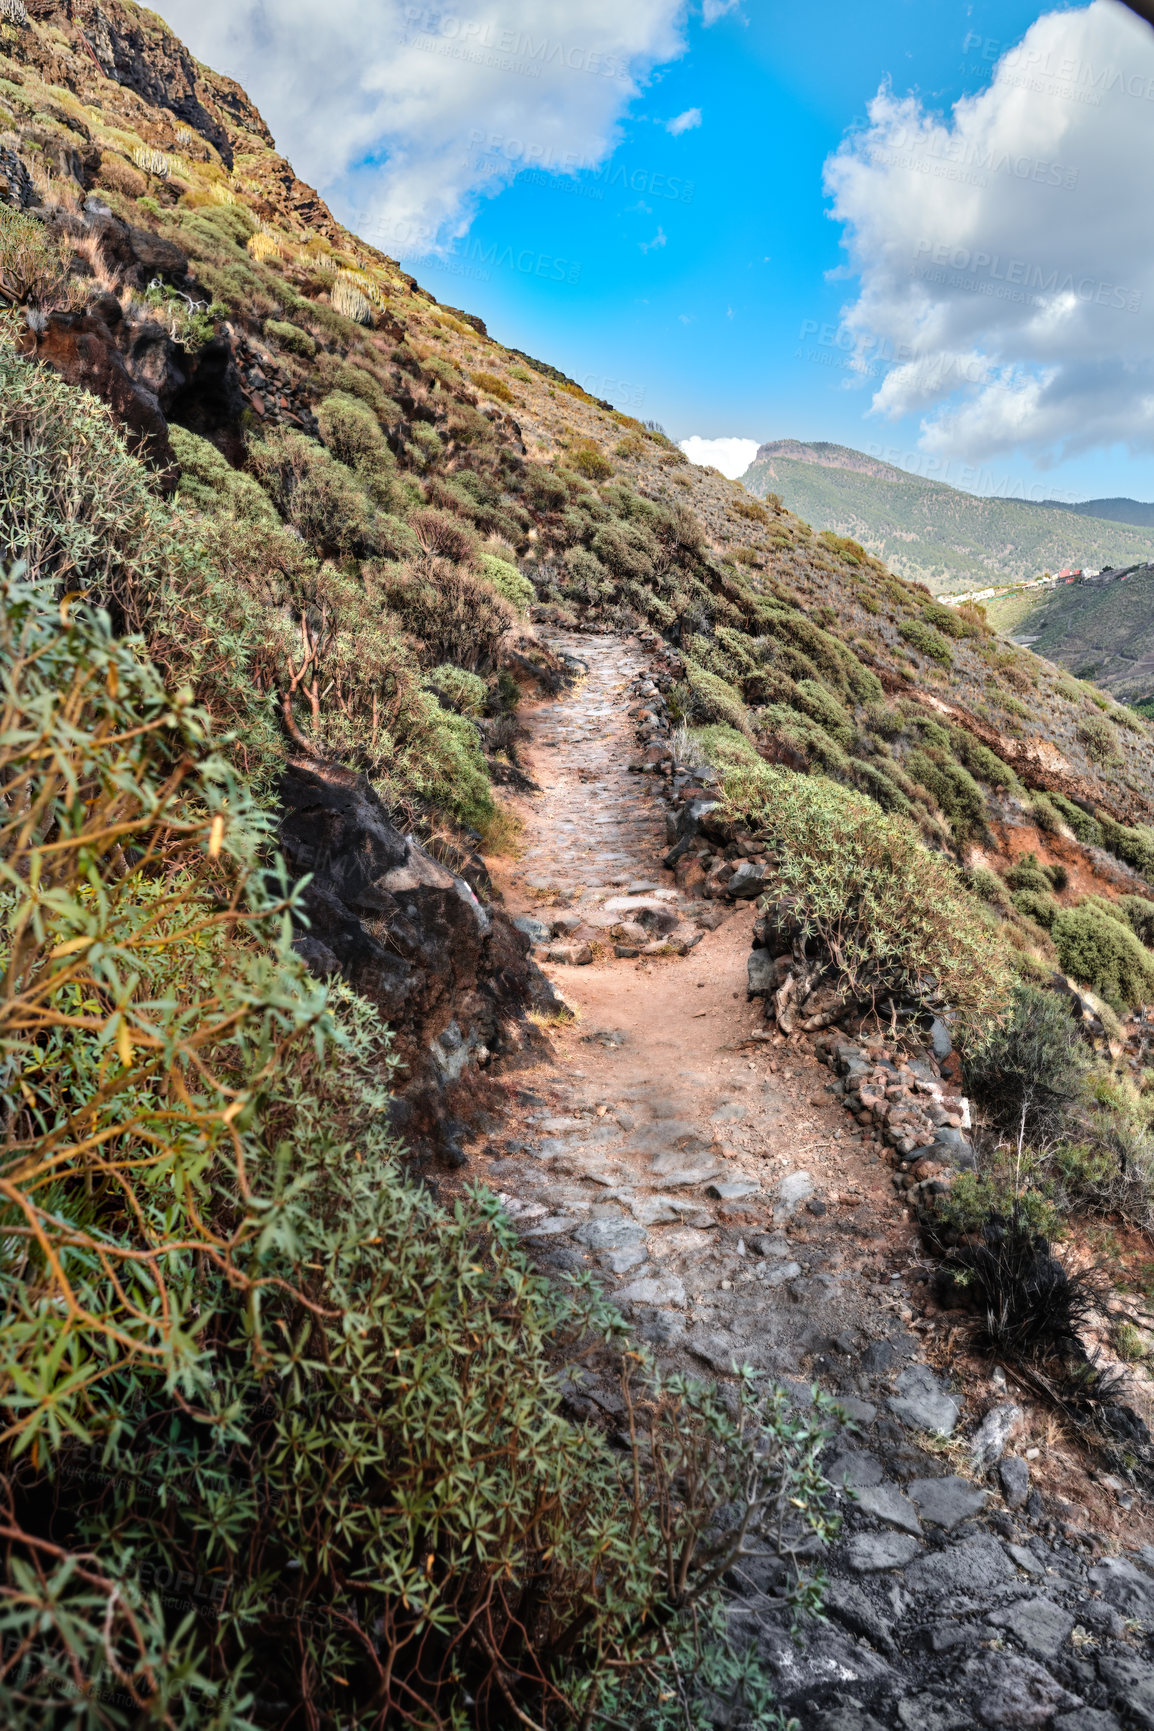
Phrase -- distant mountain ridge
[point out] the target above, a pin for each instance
(935, 534)
(1112, 510)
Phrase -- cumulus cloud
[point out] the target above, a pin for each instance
(405, 115)
(1006, 277)
(731, 456)
(684, 122)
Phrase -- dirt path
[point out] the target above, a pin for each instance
(737, 1214)
(715, 1181)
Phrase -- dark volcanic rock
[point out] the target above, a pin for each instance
(447, 973)
(82, 349)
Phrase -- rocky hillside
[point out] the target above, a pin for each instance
(929, 533)
(294, 1430)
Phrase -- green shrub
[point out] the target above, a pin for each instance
(451, 614)
(1028, 1067)
(1037, 905)
(493, 386)
(353, 434)
(1104, 954)
(628, 550)
(878, 782)
(1138, 912)
(1086, 828)
(1132, 843)
(948, 620)
(467, 693)
(926, 641)
(714, 699)
(980, 760)
(852, 552)
(893, 919)
(1027, 874)
(291, 337)
(794, 738)
(353, 380)
(815, 700)
(210, 484)
(1100, 740)
(33, 265)
(1009, 1188)
(508, 582)
(74, 508)
(955, 790)
(722, 747)
(988, 885)
(591, 463)
(316, 494)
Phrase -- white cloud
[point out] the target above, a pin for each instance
(1006, 275)
(712, 10)
(658, 240)
(405, 115)
(731, 456)
(684, 122)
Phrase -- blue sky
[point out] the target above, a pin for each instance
(694, 272)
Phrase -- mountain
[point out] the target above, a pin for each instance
(1111, 510)
(934, 534)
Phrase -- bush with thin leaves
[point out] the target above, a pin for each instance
(882, 918)
(33, 265)
(239, 1346)
(1027, 1068)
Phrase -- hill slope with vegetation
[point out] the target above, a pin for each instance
(1101, 632)
(950, 540)
(284, 540)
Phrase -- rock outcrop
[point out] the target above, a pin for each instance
(451, 976)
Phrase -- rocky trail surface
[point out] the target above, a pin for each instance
(738, 1215)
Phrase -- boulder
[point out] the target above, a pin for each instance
(571, 955)
(992, 1435)
(791, 1191)
(449, 976)
(922, 1403)
(656, 917)
(81, 348)
(1011, 1694)
(761, 973)
(946, 1502)
(746, 882)
(1014, 1477)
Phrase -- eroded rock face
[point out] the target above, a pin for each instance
(82, 349)
(449, 975)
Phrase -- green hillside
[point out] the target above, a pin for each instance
(934, 534)
(1101, 633)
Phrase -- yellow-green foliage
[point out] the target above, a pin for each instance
(291, 337)
(73, 506)
(926, 641)
(1103, 953)
(33, 264)
(493, 386)
(508, 582)
(282, 648)
(892, 915)
(210, 484)
(464, 692)
(714, 699)
(722, 747)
